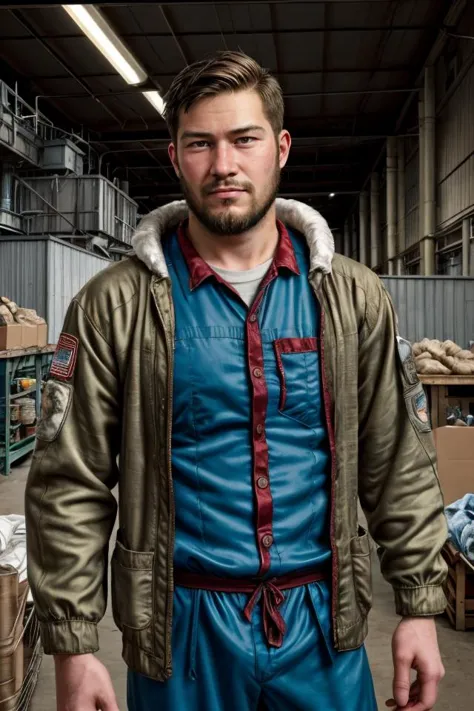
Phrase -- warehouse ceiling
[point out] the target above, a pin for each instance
(348, 69)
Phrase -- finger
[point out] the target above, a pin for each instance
(428, 693)
(401, 682)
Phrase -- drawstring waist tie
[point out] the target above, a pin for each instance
(268, 591)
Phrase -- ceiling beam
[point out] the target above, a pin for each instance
(297, 95)
(114, 3)
(289, 73)
(20, 18)
(247, 33)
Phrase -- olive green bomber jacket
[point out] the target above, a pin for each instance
(110, 401)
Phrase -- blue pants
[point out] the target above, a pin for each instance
(221, 662)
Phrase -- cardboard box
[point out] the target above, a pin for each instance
(29, 336)
(455, 450)
(42, 335)
(10, 337)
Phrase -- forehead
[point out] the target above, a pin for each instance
(224, 112)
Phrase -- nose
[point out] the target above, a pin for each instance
(223, 164)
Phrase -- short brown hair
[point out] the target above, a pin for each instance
(224, 72)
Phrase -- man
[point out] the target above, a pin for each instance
(251, 386)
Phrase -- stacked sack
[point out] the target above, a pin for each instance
(437, 358)
(10, 313)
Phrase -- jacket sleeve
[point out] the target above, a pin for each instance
(398, 483)
(70, 509)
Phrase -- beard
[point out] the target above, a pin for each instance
(224, 223)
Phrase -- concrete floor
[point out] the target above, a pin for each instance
(457, 647)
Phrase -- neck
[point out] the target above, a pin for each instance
(237, 252)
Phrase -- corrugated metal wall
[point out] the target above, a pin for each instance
(23, 272)
(45, 274)
(69, 269)
(434, 307)
(455, 153)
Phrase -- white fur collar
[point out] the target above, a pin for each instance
(296, 215)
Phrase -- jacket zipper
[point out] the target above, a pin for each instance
(327, 397)
(169, 399)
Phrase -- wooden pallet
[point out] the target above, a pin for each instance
(459, 589)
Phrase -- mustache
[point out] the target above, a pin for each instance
(228, 185)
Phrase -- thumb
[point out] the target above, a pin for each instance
(108, 703)
(401, 682)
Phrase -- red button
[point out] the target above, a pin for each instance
(262, 483)
(257, 372)
(260, 429)
(267, 541)
(253, 318)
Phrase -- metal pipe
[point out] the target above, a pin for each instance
(391, 203)
(374, 221)
(7, 186)
(421, 179)
(430, 175)
(173, 34)
(401, 206)
(347, 239)
(363, 227)
(466, 248)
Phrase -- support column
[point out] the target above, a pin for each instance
(467, 267)
(401, 206)
(374, 221)
(7, 186)
(430, 175)
(354, 246)
(421, 179)
(391, 202)
(347, 239)
(364, 227)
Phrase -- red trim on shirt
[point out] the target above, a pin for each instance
(291, 345)
(199, 271)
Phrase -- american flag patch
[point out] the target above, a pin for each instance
(65, 356)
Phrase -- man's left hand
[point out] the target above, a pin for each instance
(415, 646)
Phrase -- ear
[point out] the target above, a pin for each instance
(284, 145)
(173, 154)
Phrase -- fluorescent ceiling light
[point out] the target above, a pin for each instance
(94, 25)
(155, 100)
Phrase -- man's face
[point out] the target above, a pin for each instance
(229, 160)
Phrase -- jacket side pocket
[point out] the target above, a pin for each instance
(362, 571)
(132, 588)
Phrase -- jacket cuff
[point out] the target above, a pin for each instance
(69, 637)
(420, 602)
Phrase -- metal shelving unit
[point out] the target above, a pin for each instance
(31, 363)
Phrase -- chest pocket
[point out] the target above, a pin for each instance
(299, 373)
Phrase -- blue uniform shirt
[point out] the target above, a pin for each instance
(250, 453)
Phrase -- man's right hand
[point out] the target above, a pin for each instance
(83, 684)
